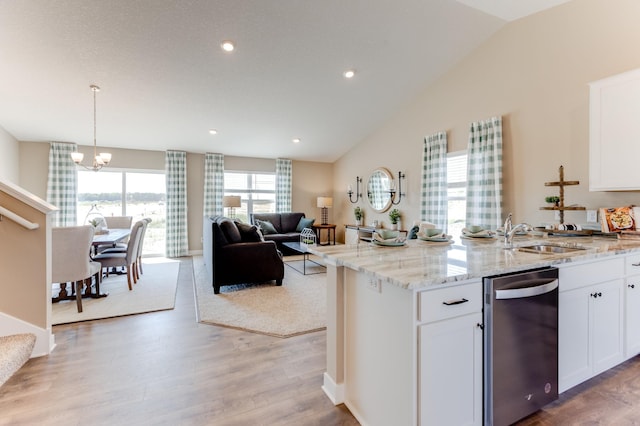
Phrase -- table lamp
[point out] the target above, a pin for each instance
(231, 202)
(325, 203)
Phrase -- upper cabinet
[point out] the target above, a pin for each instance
(614, 133)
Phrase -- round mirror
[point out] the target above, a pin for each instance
(378, 189)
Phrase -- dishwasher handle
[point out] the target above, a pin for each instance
(528, 288)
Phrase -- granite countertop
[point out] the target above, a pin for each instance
(420, 264)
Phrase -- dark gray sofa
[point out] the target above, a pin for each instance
(285, 224)
(235, 254)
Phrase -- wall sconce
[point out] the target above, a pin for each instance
(392, 190)
(358, 193)
(325, 203)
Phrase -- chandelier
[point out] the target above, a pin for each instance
(99, 160)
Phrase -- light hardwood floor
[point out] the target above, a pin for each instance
(165, 368)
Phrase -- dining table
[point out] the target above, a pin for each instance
(110, 237)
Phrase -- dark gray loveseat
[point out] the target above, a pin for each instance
(235, 254)
(285, 224)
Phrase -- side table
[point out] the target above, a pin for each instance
(331, 228)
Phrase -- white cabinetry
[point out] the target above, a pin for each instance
(590, 335)
(614, 133)
(450, 356)
(632, 306)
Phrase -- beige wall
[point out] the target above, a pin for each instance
(310, 179)
(534, 73)
(9, 153)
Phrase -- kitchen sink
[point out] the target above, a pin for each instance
(549, 249)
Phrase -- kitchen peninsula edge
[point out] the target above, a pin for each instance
(385, 331)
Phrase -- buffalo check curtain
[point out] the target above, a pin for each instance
(283, 185)
(62, 183)
(484, 174)
(213, 184)
(176, 178)
(434, 180)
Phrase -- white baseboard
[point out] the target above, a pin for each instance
(334, 391)
(45, 340)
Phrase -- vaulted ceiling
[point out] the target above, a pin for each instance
(166, 82)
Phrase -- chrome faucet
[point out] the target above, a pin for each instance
(510, 230)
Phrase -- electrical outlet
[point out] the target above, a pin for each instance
(556, 215)
(592, 216)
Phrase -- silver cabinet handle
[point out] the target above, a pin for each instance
(542, 287)
(635, 264)
(454, 302)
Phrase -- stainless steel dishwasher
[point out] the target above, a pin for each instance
(520, 344)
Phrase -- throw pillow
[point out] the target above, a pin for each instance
(304, 223)
(250, 233)
(266, 227)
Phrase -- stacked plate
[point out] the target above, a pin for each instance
(476, 232)
(388, 238)
(438, 238)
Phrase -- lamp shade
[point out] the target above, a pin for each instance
(231, 201)
(324, 202)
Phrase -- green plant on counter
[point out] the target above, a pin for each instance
(552, 199)
(358, 213)
(394, 215)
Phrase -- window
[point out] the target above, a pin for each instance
(256, 190)
(456, 191)
(127, 193)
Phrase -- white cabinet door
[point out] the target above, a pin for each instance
(613, 132)
(632, 316)
(573, 338)
(590, 332)
(606, 322)
(450, 386)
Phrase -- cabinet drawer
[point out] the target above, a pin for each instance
(450, 302)
(632, 264)
(577, 276)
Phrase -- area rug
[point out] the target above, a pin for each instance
(155, 291)
(298, 306)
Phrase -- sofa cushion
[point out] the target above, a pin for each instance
(249, 233)
(267, 227)
(304, 223)
(274, 218)
(289, 221)
(231, 231)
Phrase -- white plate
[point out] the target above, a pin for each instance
(477, 237)
(388, 244)
(436, 243)
(436, 239)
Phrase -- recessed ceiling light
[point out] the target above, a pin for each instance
(227, 46)
(296, 140)
(213, 131)
(349, 73)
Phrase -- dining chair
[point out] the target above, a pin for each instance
(140, 244)
(122, 222)
(71, 261)
(138, 263)
(113, 258)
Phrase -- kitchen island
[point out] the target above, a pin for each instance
(404, 326)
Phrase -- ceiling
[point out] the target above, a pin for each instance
(165, 81)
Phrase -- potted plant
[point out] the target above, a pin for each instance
(553, 200)
(394, 216)
(359, 214)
